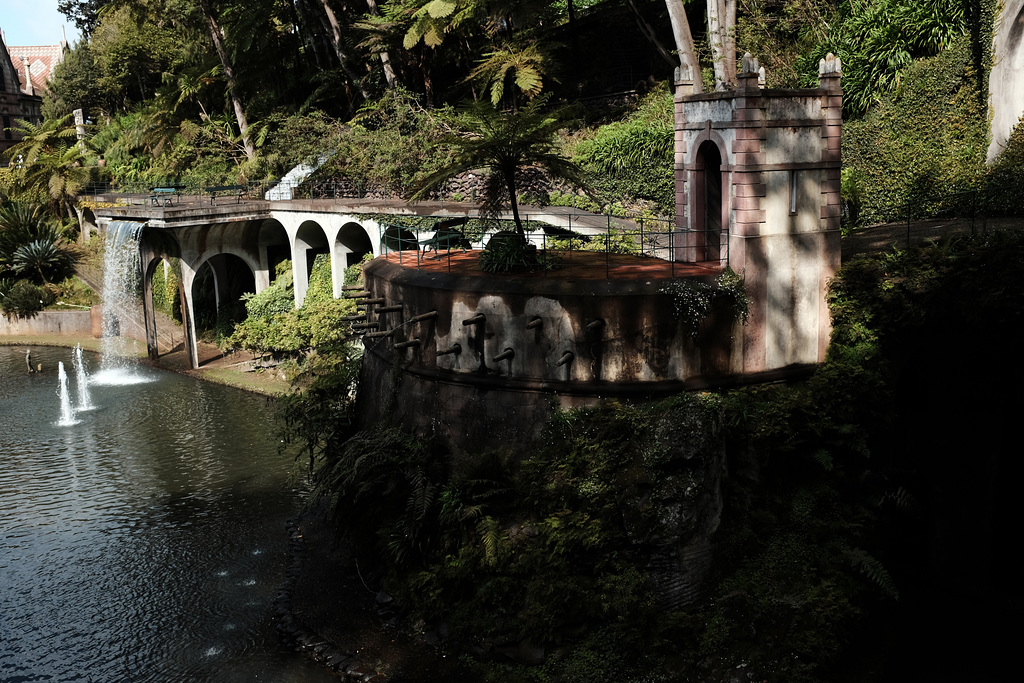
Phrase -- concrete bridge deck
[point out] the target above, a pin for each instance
(192, 208)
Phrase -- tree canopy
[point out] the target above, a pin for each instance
(207, 89)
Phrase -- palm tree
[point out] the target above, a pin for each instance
(45, 258)
(49, 162)
(503, 143)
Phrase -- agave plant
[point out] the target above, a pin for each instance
(21, 224)
(44, 258)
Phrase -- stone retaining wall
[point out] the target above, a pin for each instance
(64, 323)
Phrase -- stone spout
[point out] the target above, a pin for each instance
(455, 348)
(423, 316)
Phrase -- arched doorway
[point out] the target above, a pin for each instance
(710, 211)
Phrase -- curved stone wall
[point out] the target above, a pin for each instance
(478, 360)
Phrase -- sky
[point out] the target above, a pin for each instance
(34, 22)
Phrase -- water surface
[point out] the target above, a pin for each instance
(147, 541)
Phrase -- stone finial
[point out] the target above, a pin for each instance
(751, 74)
(749, 65)
(830, 66)
(29, 89)
(682, 78)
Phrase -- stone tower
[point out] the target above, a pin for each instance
(757, 188)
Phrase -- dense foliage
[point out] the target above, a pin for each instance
(631, 161)
(928, 140)
(308, 336)
(829, 525)
(37, 261)
(876, 40)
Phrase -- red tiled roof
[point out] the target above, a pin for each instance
(42, 59)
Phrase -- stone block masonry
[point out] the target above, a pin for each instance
(758, 189)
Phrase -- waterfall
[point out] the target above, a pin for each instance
(67, 415)
(84, 399)
(123, 319)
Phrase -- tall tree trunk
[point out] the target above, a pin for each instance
(715, 38)
(684, 41)
(217, 35)
(311, 36)
(722, 36)
(346, 64)
(730, 43)
(510, 181)
(385, 59)
(428, 80)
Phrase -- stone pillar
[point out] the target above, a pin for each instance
(300, 271)
(188, 276)
(148, 308)
(830, 80)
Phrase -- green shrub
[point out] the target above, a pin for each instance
(1006, 176)
(631, 160)
(927, 140)
(23, 298)
(165, 289)
(273, 325)
(74, 292)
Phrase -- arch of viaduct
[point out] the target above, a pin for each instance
(238, 251)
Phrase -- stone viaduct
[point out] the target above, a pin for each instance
(234, 247)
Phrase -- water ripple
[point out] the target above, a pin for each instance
(145, 543)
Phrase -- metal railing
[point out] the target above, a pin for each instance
(641, 236)
(974, 207)
(654, 238)
(259, 190)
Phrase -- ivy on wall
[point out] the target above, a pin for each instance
(928, 139)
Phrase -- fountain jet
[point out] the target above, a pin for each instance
(67, 415)
(84, 399)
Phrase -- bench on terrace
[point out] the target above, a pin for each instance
(236, 191)
(448, 235)
(163, 195)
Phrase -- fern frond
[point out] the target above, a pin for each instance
(873, 570)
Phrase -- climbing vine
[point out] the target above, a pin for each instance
(693, 300)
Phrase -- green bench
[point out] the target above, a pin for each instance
(447, 235)
(163, 195)
(236, 191)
